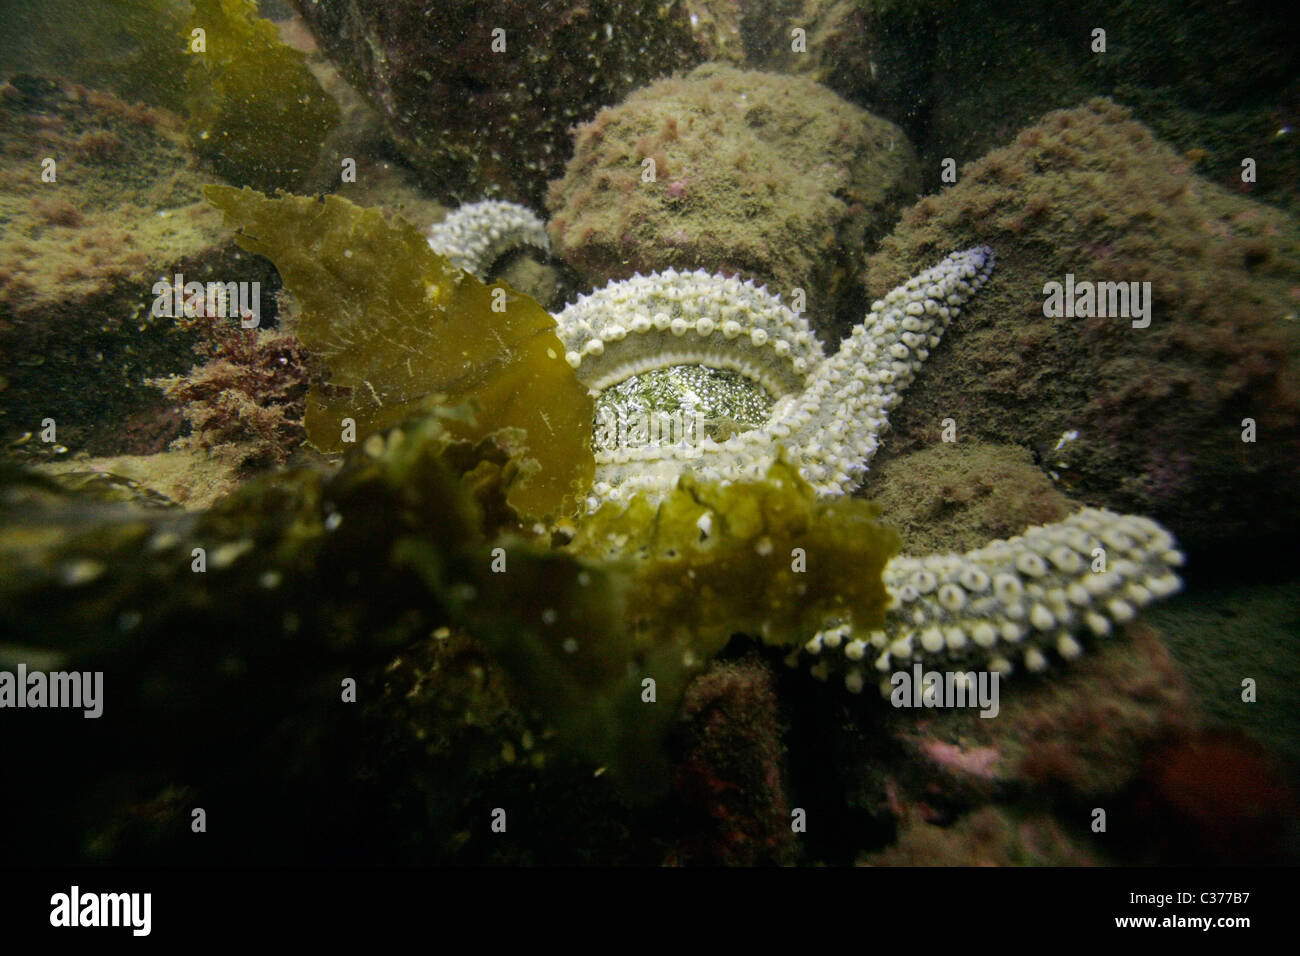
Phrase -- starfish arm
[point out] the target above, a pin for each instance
(687, 318)
(476, 235)
(1017, 601)
(829, 412)
(833, 428)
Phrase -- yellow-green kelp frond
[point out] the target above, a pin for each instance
(256, 114)
(311, 574)
(395, 323)
(603, 636)
(767, 558)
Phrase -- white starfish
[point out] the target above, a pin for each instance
(828, 413)
(1011, 601)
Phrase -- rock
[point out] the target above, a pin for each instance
(1077, 738)
(477, 120)
(1157, 413)
(1221, 635)
(190, 477)
(839, 44)
(1215, 798)
(732, 775)
(770, 177)
(990, 836)
(964, 78)
(79, 257)
(959, 497)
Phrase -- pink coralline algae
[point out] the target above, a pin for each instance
(975, 761)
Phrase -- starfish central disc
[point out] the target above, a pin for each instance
(679, 403)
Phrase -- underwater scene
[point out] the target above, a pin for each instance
(649, 433)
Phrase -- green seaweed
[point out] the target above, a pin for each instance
(227, 678)
(254, 112)
(657, 598)
(313, 574)
(396, 323)
(766, 558)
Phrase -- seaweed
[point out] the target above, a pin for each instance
(407, 564)
(245, 402)
(645, 595)
(226, 635)
(766, 558)
(396, 323)
(254, 113)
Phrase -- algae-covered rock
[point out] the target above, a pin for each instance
(480, 95)
(1079, 738)
(771, 177)
(838, 43)
(97, 191)
(101, 200)
(732, 773)
(956, 497)
(989, 836)
(1148, 420)
(1055, 750)
(395, 322)
(1221, 634)
(1216, 81)
(963, 76)
(189, 477)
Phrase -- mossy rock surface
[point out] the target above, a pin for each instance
(773, 178)
(1142, 420)
(956, 497)
(79, 257)
(480, 95)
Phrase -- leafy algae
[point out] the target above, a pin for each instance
(313, 574)
(767, 558)
(396, 322)
(256, 114)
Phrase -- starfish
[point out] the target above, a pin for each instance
(825, 415)
(1019, 600)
